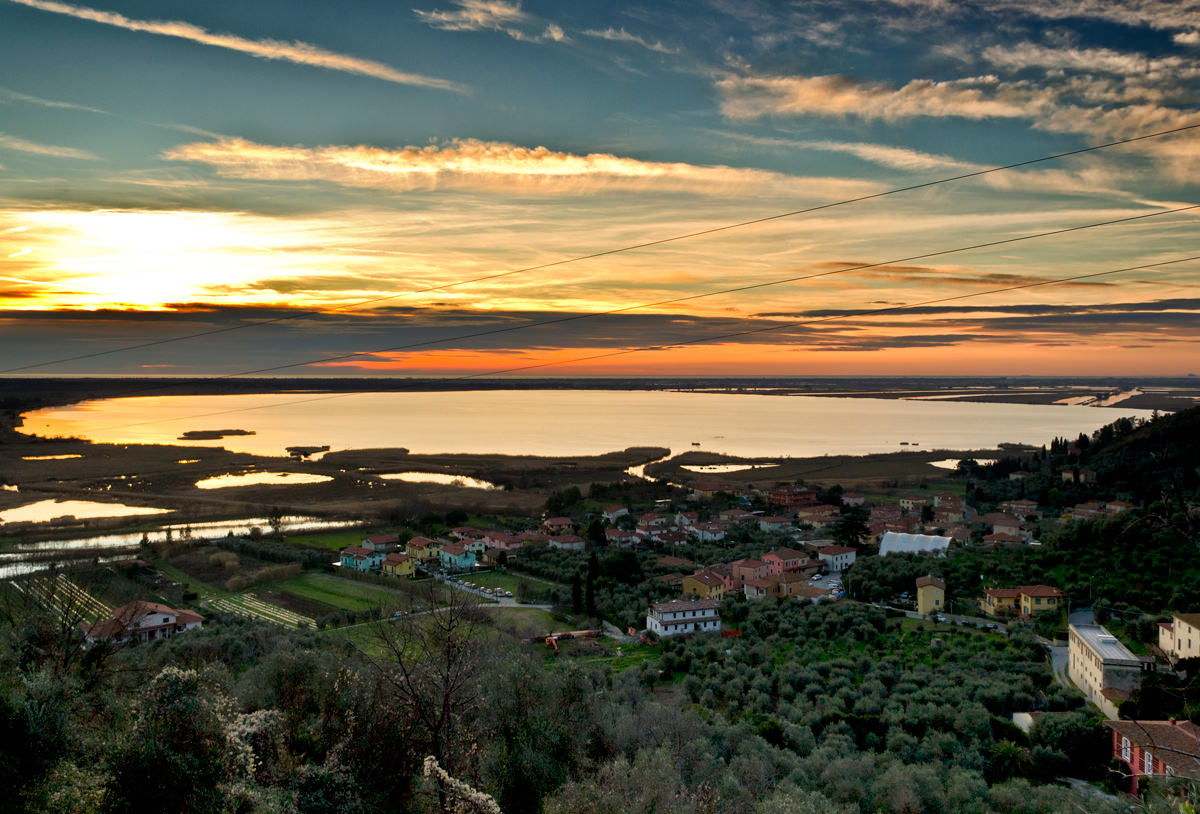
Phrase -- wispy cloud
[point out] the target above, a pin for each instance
(10, 95)
(747, 97)
(493, 15)
(900, 158)
(20, 144)
(1024, 55)
(300, 53)
(471, 163)
(621, 35)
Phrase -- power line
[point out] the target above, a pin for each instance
(673, 301)
(701, 340)
(609, 252)
(706, 294)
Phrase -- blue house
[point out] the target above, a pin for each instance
(361, 559)
(455, 557)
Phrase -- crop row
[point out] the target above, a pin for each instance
(61, 595)
(252, 606)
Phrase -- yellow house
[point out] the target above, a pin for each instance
(399, 565)
(1024, 600)
(703, 585)
(931, 595)
(423, 548)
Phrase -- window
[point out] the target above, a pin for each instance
(1147, 762)
(1125, 749)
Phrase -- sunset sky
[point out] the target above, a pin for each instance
(169, 169)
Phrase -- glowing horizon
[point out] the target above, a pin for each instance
(130, 216)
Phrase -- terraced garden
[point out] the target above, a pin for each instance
(251, 606)
(58, 594)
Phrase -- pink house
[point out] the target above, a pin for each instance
(783, 560)
(743, 570)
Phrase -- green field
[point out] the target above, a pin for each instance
(533, 591)
(618, 657)
(339, 593)
(331, 540)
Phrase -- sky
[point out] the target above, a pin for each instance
(464, 187)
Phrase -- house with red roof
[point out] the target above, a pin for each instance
(791, 497)
(397, 564)
(143, 622)
(775, 523)
(743, 570)
(755, 588)
(571, 542)
(710, 532)
(620, 538)
(1168, 748)
(423, 548)
(837, 557)
(1023, 600)
(360, 559)
(557, 525)
(684, 616)
(456, 557)
(380, 542)
(611, 513)
(783, 560)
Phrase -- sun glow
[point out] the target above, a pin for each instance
(148, 260)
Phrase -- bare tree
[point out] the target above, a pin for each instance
(434, 661)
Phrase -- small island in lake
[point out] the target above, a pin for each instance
(212, 435)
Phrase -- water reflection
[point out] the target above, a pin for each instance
(435, 477)
(46, 510)
(952, 463)
(725, 468)
(521, 422)
(27, 557)
(261, 479)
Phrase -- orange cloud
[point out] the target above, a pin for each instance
(473, 163)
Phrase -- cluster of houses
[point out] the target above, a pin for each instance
(383, 553)
(784, 572)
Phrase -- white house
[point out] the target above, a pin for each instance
(894, 542)
(709, 532)
(683, 616)
(570, 542)
(611, 513)
(836, 557)
(144, 621)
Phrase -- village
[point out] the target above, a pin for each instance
(641, 576)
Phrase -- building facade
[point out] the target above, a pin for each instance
(1180, 638)
(684, 616)
(1156, 748)
(1103, 668)
(931, 595)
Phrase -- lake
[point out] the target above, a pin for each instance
(574, 422)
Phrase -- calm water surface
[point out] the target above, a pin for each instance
(573, 422)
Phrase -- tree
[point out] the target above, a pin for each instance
(434, 662)
(851, 527)
(576, 595)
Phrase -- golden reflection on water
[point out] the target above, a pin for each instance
(573, 422)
